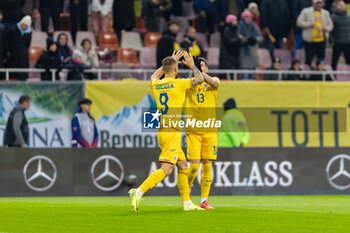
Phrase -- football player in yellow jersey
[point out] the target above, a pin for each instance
(170, 95)
(201, 103)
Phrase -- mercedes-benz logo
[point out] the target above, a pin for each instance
(112, 170)
(47, 173)
(337, 174)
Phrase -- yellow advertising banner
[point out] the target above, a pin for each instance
(278, 114)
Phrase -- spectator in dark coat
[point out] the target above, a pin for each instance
(63, 49)
(276, 65)
(191, 44)
(47, 9)
(231, 42)
(210, 13)
(12, 12)
(298, 6)
(276, 20)
(123, 16)
(153, 12)
(341, 34)
(78, 16)
(19, 39)
(249, 59)
(296, 66)
(320, 66)
(50, 59)
(167, 44)
(76, 67)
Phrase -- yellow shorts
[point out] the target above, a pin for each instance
(202, 146)
(170, 144)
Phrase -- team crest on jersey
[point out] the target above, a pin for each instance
(175, 157)
(205, 85)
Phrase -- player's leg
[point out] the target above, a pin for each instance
(151, 181)
(209, 153)
(182, 183)
(206, 180)
(193, 155)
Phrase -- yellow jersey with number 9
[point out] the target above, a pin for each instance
(170, 96)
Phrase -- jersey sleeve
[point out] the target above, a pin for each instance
(186, 83)
(218, 80)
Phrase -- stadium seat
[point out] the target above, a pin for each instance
(215, 40)
(131, 40)
(188, 10)
(264, 57)
(140, 25)
(213, 57)
(127, 55)
(118, 76)
(70, 40)
(183, 23)
(108, 40)
(38, 39)
(286, 57)
(34, 53)
(343, 77)
(203, 39)
(82, 35)
(151, 39)
(105, 57)
(148, 58)
(300, 54)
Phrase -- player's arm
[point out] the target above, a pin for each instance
(214, 82)
(157, 74)
(189, 62)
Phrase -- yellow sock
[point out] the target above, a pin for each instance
(192, 173)
(152, 180)
(182, 184)
(206, 179)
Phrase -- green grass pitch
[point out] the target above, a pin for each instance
(164, 214)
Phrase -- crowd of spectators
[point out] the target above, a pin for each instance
(245, 26)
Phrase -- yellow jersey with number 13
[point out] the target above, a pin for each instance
(170, 96)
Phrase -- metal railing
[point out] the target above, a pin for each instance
(145, 73)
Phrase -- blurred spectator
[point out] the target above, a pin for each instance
(320, 66)
(234, 130)
(231, 42)
(252, 37)
(19, 39)
(47, 9)
(167, 44)
(153, 10)
(3, 47)
(76, 67)
(276, 65)
(17, 131)
(236, 7)
(78, 16)
(63, 49)
(12, 12)
(31, 7)
(123, 16)
(316, 24)
(253, 8)
(84, 130)
(210, 13)
(176, 9)
(296, 66)
(100, 16)
(341, 34)
(298, 6)
(191, 44)
(50, 59)
(276, 19)
(89, 56)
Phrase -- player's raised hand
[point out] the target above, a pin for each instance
(177, 54)
(189, 62)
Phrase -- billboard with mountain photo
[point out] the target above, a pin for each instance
(50, 114)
